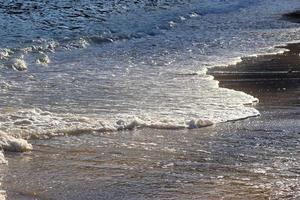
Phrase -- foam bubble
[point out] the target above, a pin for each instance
(9, 143)
(2, 195)
(77, 44)
(43, 59)
(2, 161)
(4, 53)
(35, 123)
(199, 123)
(17, 64)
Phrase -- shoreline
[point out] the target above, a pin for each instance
(233, 160)
(243, 159)
(193, 123)
(264, 74)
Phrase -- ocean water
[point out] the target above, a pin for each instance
(69, 67)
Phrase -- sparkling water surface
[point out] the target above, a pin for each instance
(93, 65)
(100, 67)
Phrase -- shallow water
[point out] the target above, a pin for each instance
(254, 159)
(129, 64)
(257, 158)
(90, 67)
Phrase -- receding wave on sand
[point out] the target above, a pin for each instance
(128, 65)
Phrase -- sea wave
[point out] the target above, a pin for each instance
(69, 67)
(36, 123)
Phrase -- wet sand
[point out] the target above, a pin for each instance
(274, 79)
(294, 16)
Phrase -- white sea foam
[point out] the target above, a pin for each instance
(35, 123)
(2, 161)
(2, 195)
(4, 54)
(43, 59)
(18, 58)
(17, 64)
(132, 65)
(10, 143)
